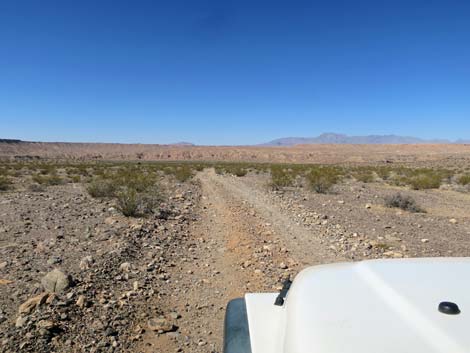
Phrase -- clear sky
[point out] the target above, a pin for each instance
(232, 72)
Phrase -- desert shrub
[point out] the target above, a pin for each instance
(219, 169)
(322, 179)
(168, 170)
(383, 172)
(46, 169)
(101, 188)
(420, 179)
(280, 177)
(53, 179)
(98, 171)
(236, 170)
(382, 246)
(36, 188)
(425, 181)
(150, 199)
(299, 169)
(78, 170)
(464, 179)
(129, 177)
(75, 178)
(364, 175)
(5, 183)
(404, 202)
(128, 203)
(199, 167)
(135, 189)
(134, 204)
(183, 173)
(240, 172)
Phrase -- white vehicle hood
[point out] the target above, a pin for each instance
(380, 306)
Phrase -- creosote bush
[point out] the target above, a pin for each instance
(134, 204)
(183, 173)
(322, 179)
(36, 188)
(75, 178)
(52, 179)
(364, 175)
(135, 189)
(425, 181)
(280, 177)
(240, 172)
(464, 179)
(404, 202)
(102, 188)
(5, 183)
(421, 178)
(128, 203)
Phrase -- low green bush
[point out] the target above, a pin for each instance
(404, 202)
(280, 177)
(36, 188)
(322, 179)
(134, 204)
(102, 188)
(183, 173)
(363, 175)
(425, 181)
(5, 183)
(464, 179)
(53, 179)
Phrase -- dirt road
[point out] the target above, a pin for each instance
(243, 243)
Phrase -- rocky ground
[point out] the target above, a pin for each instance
(76, 276)
(79, 277)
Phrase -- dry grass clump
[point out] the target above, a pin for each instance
(322, 179)
(404, 202)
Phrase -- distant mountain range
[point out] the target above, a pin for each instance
(333, 138)
(182, 143)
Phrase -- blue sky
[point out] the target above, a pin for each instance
(232, 72)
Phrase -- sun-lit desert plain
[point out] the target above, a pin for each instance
(138, 248)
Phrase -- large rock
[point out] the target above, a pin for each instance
(56, 281)
(161, 324)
